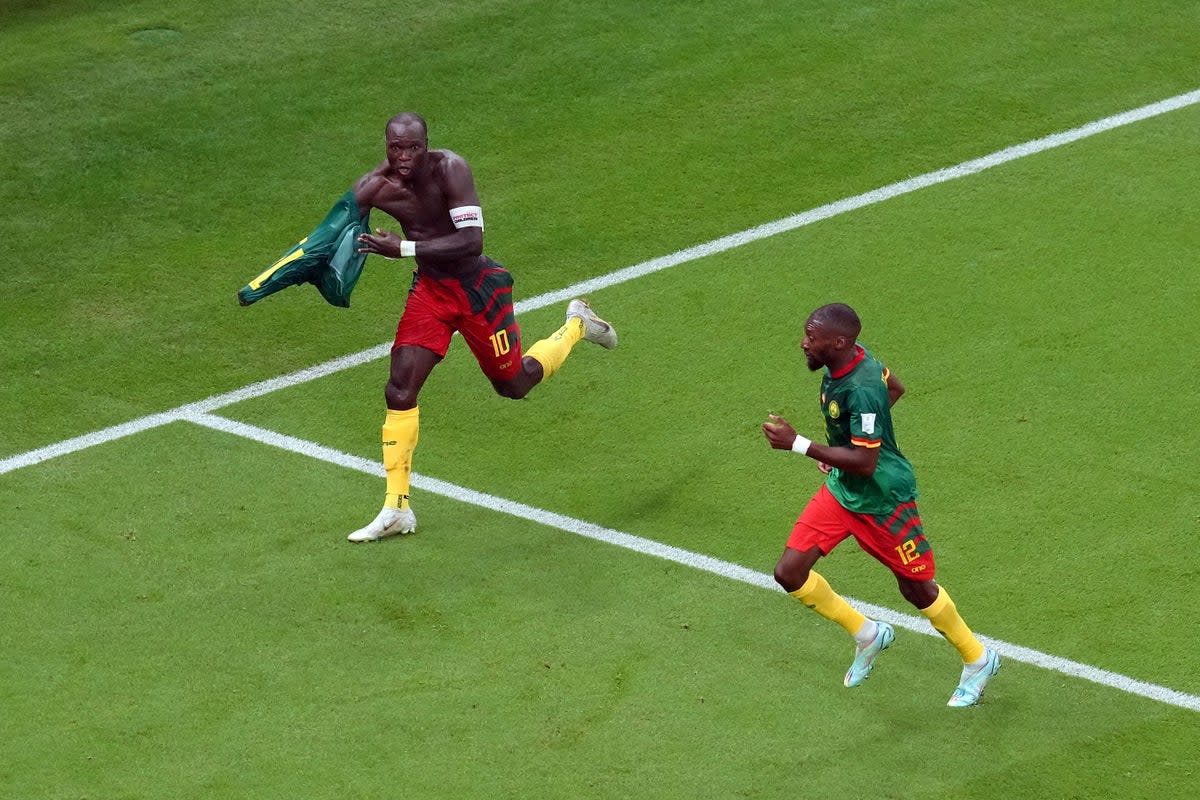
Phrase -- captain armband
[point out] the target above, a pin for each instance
(467, 217)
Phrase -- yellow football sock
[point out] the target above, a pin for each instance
(400, 429)
(553, 351)
(817, 594)
(944, 616)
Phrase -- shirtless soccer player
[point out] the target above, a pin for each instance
(431, 193)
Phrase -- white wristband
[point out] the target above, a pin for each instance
(407, 249)
(801, 445)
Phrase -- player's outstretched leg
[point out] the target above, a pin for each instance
(594, 329)
(390, 522)
(551, 352)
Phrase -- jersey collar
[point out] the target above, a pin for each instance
(859, 355)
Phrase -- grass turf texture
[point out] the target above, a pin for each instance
(156, 177)
(1001, 381)
(183, 618)
(186, 645)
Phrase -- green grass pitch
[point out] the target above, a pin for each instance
(180, 615)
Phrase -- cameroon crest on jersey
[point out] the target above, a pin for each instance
(857, 412)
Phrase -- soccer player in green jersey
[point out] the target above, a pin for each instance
(870, 494)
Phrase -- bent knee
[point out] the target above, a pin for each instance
(510, 389)
(790, 577)
(399, 398)
(920, 593)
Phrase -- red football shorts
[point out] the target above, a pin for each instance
(478, 306)
(896, 540)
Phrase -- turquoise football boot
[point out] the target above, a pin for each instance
(973, 680)
(864, 658)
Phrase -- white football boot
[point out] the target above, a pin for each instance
(594, 329)
(390, 522)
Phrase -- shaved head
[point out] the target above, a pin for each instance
(407, 144)
(407, 119)
(837, 318)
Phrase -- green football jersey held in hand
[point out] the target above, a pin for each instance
(327, 258)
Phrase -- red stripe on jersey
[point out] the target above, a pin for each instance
(915, 522)
(859, 355)
(866, 442)
(499, 296)
(483, 273)
(900, 509)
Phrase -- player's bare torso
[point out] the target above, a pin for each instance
(419, 203)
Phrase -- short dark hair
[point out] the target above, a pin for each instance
(838, 317)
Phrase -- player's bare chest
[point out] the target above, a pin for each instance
(411, 203)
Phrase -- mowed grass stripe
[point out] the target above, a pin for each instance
(678, 555)
(686, 255)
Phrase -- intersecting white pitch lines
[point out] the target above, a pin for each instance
(200, 412)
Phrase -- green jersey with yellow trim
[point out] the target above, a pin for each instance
(328, 258)
(858, 413)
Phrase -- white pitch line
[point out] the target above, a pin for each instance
(678, 555)
(721, 245)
